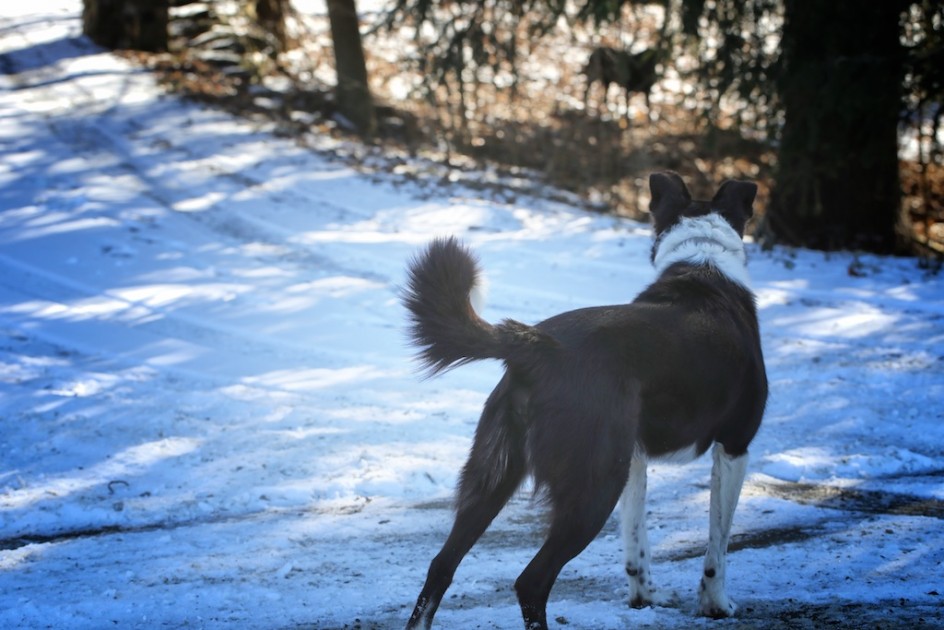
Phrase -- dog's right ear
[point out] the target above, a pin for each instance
(670, 197)
(735, 200)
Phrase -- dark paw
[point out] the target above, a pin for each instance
(721, 610)
(640, 602)
(718, 613)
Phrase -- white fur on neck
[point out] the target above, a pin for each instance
(705, 240)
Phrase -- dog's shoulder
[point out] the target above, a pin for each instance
(685, 286)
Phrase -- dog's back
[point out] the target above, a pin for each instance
(690, 341)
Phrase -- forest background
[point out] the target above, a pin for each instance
(834, 107)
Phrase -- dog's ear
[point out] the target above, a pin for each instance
(735, 200)
(670, 197)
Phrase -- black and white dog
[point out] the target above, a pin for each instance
(589, 395)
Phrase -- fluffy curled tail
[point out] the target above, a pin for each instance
(444, 325)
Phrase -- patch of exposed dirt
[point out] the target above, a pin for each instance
(853, 499)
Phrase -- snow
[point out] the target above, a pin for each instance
(211, 418)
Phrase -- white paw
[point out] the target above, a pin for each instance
(714, 602)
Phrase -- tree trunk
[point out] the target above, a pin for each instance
(129, 24)
(352, 92)
(837, 184)
(270, 15)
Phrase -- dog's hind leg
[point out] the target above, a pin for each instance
(635, 537)
(493, 472)
(471, 521)
(727, 477)
(575, 522)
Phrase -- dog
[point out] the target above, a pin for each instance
(588, 396)
(633, 72)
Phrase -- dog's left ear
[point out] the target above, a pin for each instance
(735, 200)
(669, 198)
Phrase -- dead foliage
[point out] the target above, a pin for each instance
(537, 128)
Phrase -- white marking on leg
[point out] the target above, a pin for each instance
(727, 477)
(635, 538)
(683, 456)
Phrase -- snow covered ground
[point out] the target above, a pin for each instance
(210, 418)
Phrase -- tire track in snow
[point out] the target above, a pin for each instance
(90, 127)
(90, 137)
(22, 540)
(148, 324)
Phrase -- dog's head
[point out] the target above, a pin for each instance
(671, 202)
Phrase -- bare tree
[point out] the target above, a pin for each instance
(270, 16)
(352, 93)
(132, 24)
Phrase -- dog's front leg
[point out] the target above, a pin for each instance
(727, 477)
(635, 538)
